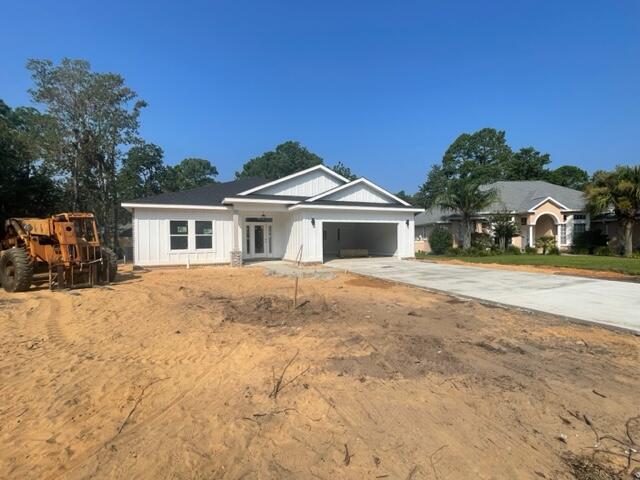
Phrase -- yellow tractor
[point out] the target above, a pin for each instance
(64, 250)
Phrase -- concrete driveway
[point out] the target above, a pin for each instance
(600, 301)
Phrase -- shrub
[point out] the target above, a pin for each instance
(529, 250)
(580, 251)
(454, 251)
(602, 251)
(553, 251)
(440, 240)
(513, 250)
(481, 241)
(588, 240)
(546, 242)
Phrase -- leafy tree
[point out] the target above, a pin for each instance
(287, 158)
(619, 191)
(479, 157)
(485, 157)
(142, 172)
(433, 188)
(341, 169)
(504, 228)
(568, 176)
(464, 197)
(406, 197)
(526, 164)
(189, 173)
(93, 116)
(26, 189)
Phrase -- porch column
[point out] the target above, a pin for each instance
(236, 254)
(532, 242)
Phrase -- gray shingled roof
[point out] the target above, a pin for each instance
(208, 195)
(516, 196)
(521, 196)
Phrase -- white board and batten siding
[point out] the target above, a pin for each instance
(151, 235)
(313, 183)
(358, 193)
(303, 231)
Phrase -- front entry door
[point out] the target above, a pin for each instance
(258, 239)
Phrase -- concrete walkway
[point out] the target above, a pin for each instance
(600, 301)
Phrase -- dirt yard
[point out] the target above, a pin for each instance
(208, 373)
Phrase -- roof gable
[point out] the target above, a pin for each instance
(305, 183)
(360, 190)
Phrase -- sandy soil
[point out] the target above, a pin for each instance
(576, 272)
(173, 374)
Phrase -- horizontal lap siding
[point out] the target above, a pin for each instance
(152, 238)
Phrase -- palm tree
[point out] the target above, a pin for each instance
(466, 198)
(619, 191)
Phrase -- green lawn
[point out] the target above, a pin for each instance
(629, 266)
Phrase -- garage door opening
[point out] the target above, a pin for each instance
(345, 239)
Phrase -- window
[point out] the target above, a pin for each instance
(579, 228)
(579, 216)
(179, 230)
(563, 234)
(523, 221)
(204, 234)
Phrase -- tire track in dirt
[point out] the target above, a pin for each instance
(150, 419)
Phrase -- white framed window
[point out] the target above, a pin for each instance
(204, 234)
(579, 228)
(579, 216)
(563, 234)
(179, 234)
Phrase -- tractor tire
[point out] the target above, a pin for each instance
(16, 270)
(109, 266)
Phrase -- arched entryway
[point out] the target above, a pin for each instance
(546, 226)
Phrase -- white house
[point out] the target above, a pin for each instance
(310, 215)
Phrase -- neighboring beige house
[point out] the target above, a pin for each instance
(539, 208)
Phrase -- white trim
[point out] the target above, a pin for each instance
(191, 237)
(542, 214)
(548, 199)
(258, 200)
(294, 175)
(173, 206)
(313, 206)
(356, 182)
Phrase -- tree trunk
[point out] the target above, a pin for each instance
(466, 238)
(74, 181)
(628, 238)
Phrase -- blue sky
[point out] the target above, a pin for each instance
(383, 87)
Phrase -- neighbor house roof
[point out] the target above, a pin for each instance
(208, 195)
(521, 196)
(516, 196)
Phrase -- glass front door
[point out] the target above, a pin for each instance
(258, 239)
